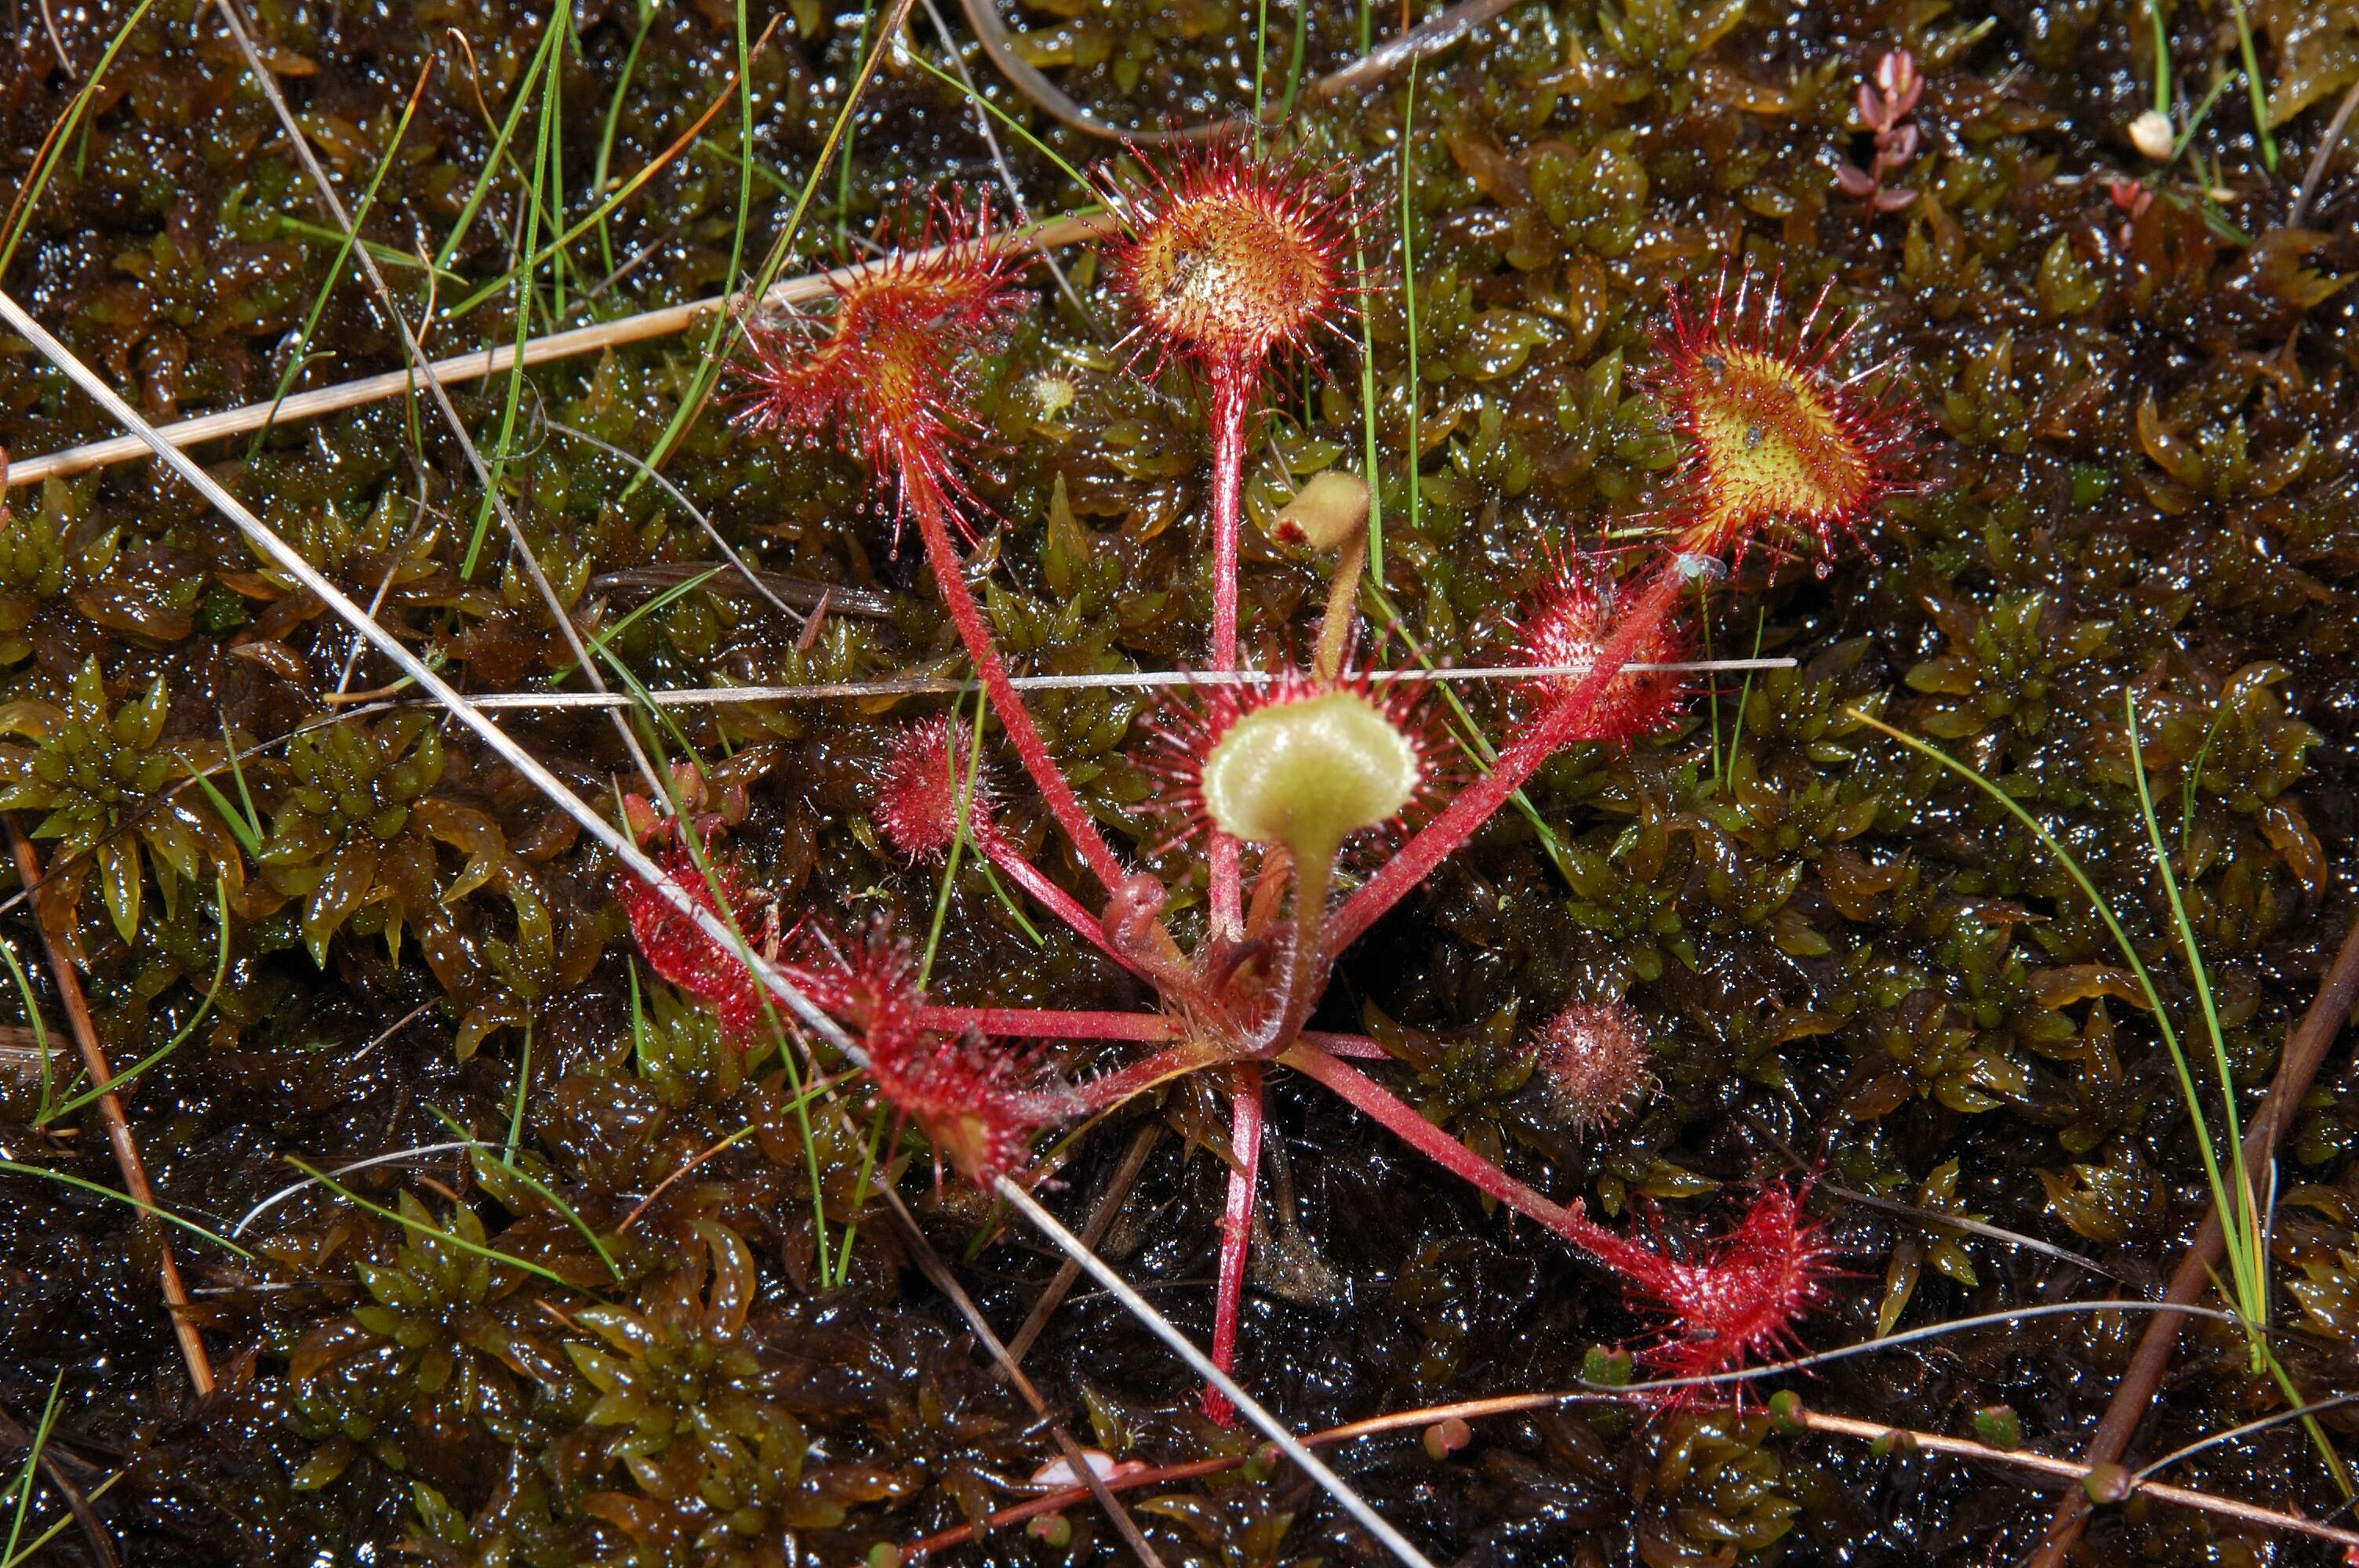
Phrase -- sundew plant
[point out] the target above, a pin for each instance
(1266, 785)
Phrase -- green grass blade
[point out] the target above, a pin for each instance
(33, 1018)
(2104, 911)
(421, 1227)
(2240, 1226)
(22, 1490)
(526, 87)
(599, 643)
(962, 792)
(514, 400)
(212, 994)
(166, 1215)
(2260, 94)
(1416, 454)
(516, 1112)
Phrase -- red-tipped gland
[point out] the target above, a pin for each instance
(1777, 444)
(1231, 256)
(1303, 761)
(1564, 626)
(925, 787)
(890, 367)
(977, 1102)
(681, 953)
(1743, 1297)
(1594, 1057)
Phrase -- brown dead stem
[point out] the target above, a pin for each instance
(110, 1107)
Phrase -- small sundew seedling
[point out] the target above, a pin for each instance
(925, 787)
(1594, 1057)
(1778, 443)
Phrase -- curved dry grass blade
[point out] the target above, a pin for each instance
(291, 559)
(311, 1180)
(477, 364)
(1162, 1327)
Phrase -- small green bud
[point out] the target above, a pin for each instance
(1786, 1410)
(1053, 1529)
(2106, 1483)
(1308, 773)
(1326, 516)
(1999, 1426)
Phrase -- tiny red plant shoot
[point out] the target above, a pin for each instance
(1228, 260)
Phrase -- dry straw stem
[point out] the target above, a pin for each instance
(2297, 1064)
(480, 363)
(1243, 1403)
(1512, 1405)
(110, 1107)
(1427, 38)
(930, 1264)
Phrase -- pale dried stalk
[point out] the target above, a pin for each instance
(1810, 1420)
(481, 364)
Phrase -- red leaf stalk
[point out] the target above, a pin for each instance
(1556, 726)
(1236, 1229)
(918, 808)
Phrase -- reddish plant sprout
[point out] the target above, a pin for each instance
(1594, 1057)
(1563, 627)
(2131, 198)
(681, 953)
(1739, 1302)
(891, 366)
(708, 805)
(925, 785)
(1884, 105)
(1777, 444)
